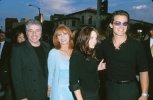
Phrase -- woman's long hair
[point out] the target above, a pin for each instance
(82, 42)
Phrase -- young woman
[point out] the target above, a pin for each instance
(84, 81)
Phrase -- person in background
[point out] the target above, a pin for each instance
(20, 37)
(123, 55)
(58, 64)
(148, 44)
(5, 78)
(84, 80)
(29, 65)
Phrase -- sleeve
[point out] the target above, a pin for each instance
(74, 72)
(16, 72)
(141, 58)
(51, 67)
(100, 51)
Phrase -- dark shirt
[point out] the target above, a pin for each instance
(41, 57)
(83, 73)
(146, 44)
(122, 63)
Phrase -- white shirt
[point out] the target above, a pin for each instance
(151, 42)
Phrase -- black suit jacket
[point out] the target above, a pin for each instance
(148, 54)
(27, 75)
(5, 63)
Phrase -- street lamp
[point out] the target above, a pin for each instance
(39, 14)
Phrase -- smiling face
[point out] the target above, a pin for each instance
(93, 39)
(20, 38)
(34, 34)
(63, 38)
(119, 25)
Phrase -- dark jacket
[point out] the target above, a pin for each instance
(28, 78)
(5, 63)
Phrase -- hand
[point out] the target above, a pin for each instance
(49, 91)
(102, 65)
(80, 99)
(143, 98)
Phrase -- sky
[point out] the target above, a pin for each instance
(138, 9)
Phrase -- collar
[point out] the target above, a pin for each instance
(151, 42)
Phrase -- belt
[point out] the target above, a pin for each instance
(122, 81)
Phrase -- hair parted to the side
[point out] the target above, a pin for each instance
(62, 28)
(116, 13)
(82, 42)
(120, 12)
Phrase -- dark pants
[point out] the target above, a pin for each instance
(6, 92)
(90, 96)
(151, 84)
(9, 94)
(122, 91)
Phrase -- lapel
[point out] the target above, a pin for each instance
(148, 45)
(148, 50)
(31, 54)
(46, 50)
(6, 50)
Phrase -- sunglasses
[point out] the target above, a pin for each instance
(118, 23)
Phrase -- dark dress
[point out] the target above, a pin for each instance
(84, 76)
(29, 74)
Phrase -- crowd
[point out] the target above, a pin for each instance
(30, 69)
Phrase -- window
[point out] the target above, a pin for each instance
(65, 22)
(82, 19)
(90, 20)
(73, 23)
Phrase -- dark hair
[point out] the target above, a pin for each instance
(18, 33)
(1, 31)
(111, 20)
(62, 28)
(151, 28)
(82, 42)
(119, 12)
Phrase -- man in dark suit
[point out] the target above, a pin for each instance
(29, 65)
(5, 80)
(148, 44)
